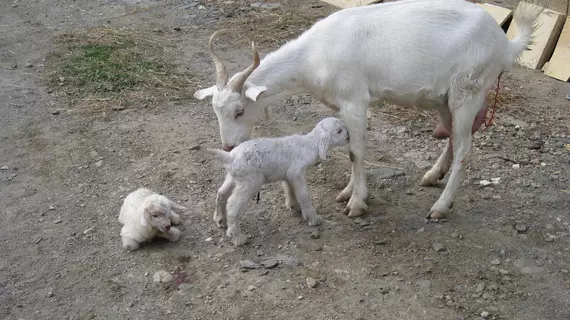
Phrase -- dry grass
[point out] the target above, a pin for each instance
(273, 27)
(107, 68)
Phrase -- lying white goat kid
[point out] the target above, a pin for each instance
(433, 54)
(146, 215)
(256, 162)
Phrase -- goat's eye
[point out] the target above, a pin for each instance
(239, 113)
(339, 131)
(154, 215)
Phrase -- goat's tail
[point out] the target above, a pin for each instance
(220, 154)
(526, 20)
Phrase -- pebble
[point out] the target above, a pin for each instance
(270, 263)
(4, 168)
(315, 234)
(480, 287)
(516, 166)
(438, 247)
(485, 314)
(380, 242)
(248, 264)
(29, 65)
(56, 221)
(208, 239)
(162, 276)
(195, 147)
(86, 231)
(56, 112)
(300, 298)
(117, 108)
(520, 227)
(99, 163)
(51, 208)
(496, 262)
(311, 282)
(251, 288)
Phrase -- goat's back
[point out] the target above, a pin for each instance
(405, 46)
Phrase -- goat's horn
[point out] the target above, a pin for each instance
(221, 71)
(237, 82)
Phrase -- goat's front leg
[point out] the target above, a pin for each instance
(220, 215)
(355, 119)
(299, 184)
(463, 110)
(290, 199)
(172, 235)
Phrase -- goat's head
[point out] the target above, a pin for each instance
(234, 100)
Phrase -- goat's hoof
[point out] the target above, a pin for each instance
(295, 208)
(316, 221)
(221, 223)
(435, 215)
(356, 212)
(429, 180)
(342, 197)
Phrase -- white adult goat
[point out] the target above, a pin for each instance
(442, 54)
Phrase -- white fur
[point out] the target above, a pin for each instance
(254, 163)
(145, 215)
(439, 54)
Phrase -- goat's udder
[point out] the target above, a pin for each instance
(443, 130)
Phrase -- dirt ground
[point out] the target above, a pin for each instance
(504, 252)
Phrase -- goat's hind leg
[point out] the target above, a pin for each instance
(464, 108)
(443, 163)
(220, 215)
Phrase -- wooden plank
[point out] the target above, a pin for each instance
(349, 3)
(550, 26)
(559, 65)
(500, 14)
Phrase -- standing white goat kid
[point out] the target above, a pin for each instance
(438, 54)
(254, 163)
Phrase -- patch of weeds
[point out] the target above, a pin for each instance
(274, 27)
(107, 68)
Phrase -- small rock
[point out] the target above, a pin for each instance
(496, 262)
(485, 314)
(117, 108)
(559, 145)
(484, 182)
(300, 298)
(99, 163)
(270, 263)
(518, 123)
(380, 242)
(516, 166)
(177, 29)
(208, 239)
(56, 221)
(259, 253)
(311, 283)
(480, 287)
(195, 147)
(201, 7)
(455, 235)
(248, 264)
(438, 247)
(38, 240)
(410, 192)
(520, 227)
(251, 288)
(495, 180)
(29, 65)
(86, 231)
(315, 234)
(50, 294)
(57, 111)
(162, 276)
(4, 168)
(51, 208)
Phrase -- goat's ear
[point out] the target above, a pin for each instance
(252, 92)
(176, 207)
(204, 93)
(144, 218)
(323, 144)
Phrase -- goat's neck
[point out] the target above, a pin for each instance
(280, 71)
(310, 141)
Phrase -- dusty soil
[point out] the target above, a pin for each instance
(503, 253)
